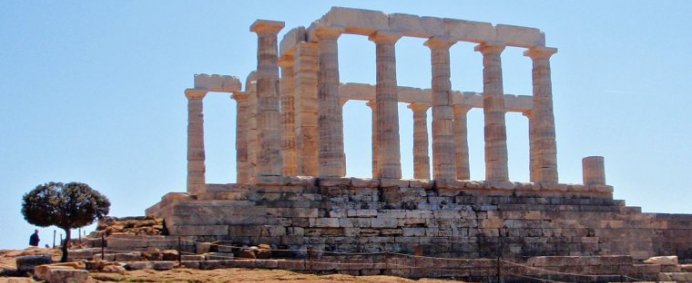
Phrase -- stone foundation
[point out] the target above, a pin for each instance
(445, 219)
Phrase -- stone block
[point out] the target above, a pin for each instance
(662, 260)
(27, 263)
(68, 275)
(407, 25)
(324, 222)
(365, 183)
(461, 30)
(519, 36)
(290, 40)
(384, 222)
(217, 83)
(361, 213)
(356, 21)
(202, 230)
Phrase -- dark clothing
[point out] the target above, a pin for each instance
(33, 240)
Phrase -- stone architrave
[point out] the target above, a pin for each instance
(461, 142)
(270, 159)
(306, 75)
(444, 166)
(241, 138)
(421, 158)
(389, 154)
(375, 163)
(288, 117)
(495, 131)
(544, 149)
(331, 132)
(195, 141)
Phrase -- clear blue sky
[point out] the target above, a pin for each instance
(93, 92)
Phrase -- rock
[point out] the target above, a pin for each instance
(29, 262)
(68, 275)
(203, 247)
(247, 253)
(163, 265)
(43, 272)
(264, 251)
(114, 269)
(152, 254)
(131, 256)
(139, 265)
(663, 260)
(169, 255)
(686, 267)
(73, 264)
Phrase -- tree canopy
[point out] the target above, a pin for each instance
(67, 206)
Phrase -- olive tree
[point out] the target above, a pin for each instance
(67, 206)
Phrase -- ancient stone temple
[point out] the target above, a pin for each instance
(293, 191)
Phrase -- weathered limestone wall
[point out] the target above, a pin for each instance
(456, 219)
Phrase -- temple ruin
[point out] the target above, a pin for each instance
(293, 190)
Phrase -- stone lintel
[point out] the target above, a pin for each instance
(319, 31)
(267, 26)
(217, 83)
(291, 39)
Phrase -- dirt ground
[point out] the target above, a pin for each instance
(7, 261)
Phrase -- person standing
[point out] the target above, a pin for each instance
(34, 239)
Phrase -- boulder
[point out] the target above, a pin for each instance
(152, 253)
(169, 255)
(114, 269)
(163, 265)
(663, 260)
(247, 253)
(68, 275)
(43, 272)
(138, 265)
(264, 251)
(29, 262)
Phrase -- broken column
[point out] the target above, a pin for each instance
(495, 131)
(442, 113)
(593, 170)
(544, 148)
(270, 159)
(386, 99)
(331, 132)
(195, 141)
(421, 158)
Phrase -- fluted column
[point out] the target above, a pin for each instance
(252, 134)
(593, 170)
(331, 137)
(532, 146)
(270, 161)
(495, 131)
(375, 163)
(461, 142)
(288, 116)
(545, 149)
(444, 166)
(195, 141)
(306, 73)
(421, 159)
(241, 138)
(387, 108)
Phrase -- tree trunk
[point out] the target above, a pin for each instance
(65, 244)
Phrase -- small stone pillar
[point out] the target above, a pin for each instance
(386, 98)
(270, 161)
(305, 72)
(444, 163)
(241, 138)
(544, 148)
(461, 142)
(288, 117)
(195, 141)
(421, 158)
(495, 131)
(375, 148)
(593, 170)
(331, 128)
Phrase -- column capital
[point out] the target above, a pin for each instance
(325, 32)
(239, 96)
(342, 101)
(286, 61)
(436, 42)
(195, 93)
(384, 37)
(488, 48)
(371, 104)
(461, 109)
(267, 27)
(527, 113)
(540, 52)
(418, 107)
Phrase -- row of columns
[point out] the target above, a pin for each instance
(298, 125)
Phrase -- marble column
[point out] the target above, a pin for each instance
(421, 159)
(545, 149)
(593, 170)
(288, 117)
(386, 98)
(331, 130)
(252, 134)
(375, 163)
(444, 163)
(532, 146)
(495, 131)
(461, 142)
(195, 141)
(270, 160)
(241, 138)
(306, 73)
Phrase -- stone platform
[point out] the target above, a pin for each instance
(444, 219)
